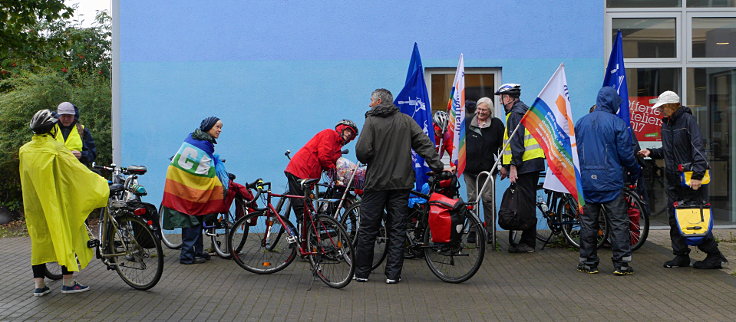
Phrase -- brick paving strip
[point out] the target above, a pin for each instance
(539, 286)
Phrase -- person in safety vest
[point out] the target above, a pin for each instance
(523, 160)
(58, 194)
(73, 134)
(319, 154)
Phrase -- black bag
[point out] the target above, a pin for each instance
(508, 218)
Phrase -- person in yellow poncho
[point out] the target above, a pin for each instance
(58, 194)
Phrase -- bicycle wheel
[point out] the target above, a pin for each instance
(456, 261)
(218, 234)
(638, 225)
(570, 221)
(332, 252)
(170, 237)
(260, 251)
(136, 252)
(351, 222)
(53, 271)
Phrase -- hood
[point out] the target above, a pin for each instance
(679, 112)
(383, 110)
(608, 100)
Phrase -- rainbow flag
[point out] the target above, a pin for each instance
(456, 110)
(549, 120)
(192, 186)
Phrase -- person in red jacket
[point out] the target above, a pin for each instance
(443, 134)
(319, 154)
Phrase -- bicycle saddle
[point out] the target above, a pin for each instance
(137, 169)
(308, 182)
(116, 187)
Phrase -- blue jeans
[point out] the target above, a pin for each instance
(192, 243)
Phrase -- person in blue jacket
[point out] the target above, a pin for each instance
(606, 154)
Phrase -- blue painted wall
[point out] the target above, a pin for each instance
(277, 72)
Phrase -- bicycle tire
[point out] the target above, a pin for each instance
(218, 234)
(639, 232)
(173, 241)
(351, 222)
(333, 257)
(256, 254)
(443, 257)
(135, 250)
(53, 271)
(570, 221)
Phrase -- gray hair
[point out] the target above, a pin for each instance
(384, 95)
(487, 101)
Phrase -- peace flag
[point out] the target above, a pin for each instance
(456, 110)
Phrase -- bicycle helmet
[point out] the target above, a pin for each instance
(42, 122)
(514, 90)
(440, 118)
(347, 123)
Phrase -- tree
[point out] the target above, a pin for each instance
(17, 19)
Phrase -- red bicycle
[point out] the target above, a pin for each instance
(265, 242)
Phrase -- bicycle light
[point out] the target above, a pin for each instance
(139, 211)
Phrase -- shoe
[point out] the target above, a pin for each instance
(590, 269)
(197, 260)
(390, 281)
(623, 270)
(521, 248)
(678, 261)
(471, 237)
(41, 291)
(360, 279)
(204, 256)
(76, 288)
(711, 261)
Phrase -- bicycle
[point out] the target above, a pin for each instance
(444, 259)
(638, 216)
(560, 211)
(124, 241)
(265, 242)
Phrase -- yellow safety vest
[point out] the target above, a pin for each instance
(532, 149)
(73, 140)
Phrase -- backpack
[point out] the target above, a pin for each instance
(508, 218)
(445, 218)
(694, 221)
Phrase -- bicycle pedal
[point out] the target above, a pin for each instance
(92, 243)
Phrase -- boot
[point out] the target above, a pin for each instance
(711, 261)
(678, 261)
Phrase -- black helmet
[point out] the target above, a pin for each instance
(514, 90)
(348, 123)
(43, 121)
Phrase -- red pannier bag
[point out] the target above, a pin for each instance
(445, 218)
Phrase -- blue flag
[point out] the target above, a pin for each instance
(413, 100)
(616, 77)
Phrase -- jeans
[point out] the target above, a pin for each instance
(371, 211)
(192, 243)
(620, 234)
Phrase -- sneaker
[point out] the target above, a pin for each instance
(623, 270)
(390, 281)
(197, 260)
(471, 237)
(76, 288)
(521, 248)
(678, 261)
(711, 261)
(205, 256)
(590, 269)
(360, 279)
(41, 291)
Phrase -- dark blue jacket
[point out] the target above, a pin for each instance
(604, 148)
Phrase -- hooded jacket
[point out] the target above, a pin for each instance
(681, 144)
(604, 148)
(385, 145)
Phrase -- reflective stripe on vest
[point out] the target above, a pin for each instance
(73, 140)
(532, 149)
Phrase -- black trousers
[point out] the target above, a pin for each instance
(39, 271)
(620, 234)
(526, 188)
(371, 212)
(296, 189)
(676, 192)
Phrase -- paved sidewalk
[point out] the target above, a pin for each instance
(539, 286)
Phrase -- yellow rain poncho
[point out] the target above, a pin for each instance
(58, 194)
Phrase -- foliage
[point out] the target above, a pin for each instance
(18, 19)
(67, 63)
(14, 229)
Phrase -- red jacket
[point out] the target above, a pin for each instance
(320, 153)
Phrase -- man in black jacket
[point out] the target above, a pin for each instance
(385, 145)
(683, 144)
(484, 138)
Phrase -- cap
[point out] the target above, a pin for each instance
(65, 108)
(668, 97)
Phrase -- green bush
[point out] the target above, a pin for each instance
(30, 92)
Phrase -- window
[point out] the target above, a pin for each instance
(642, 3)
(713, 37)
(647, 37)
(479, 82)
(710, 3)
